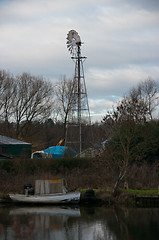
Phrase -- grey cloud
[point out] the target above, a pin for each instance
(147, 4)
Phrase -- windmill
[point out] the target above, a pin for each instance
(80, 114)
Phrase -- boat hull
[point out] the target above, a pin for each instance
(59, 198)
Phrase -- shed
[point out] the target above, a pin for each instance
(12, 148)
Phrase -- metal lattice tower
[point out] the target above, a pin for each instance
(79, 117)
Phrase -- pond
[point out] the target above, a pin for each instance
(74, 223)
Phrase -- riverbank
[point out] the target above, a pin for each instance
(80, 175)
(100, 197)
(127, 198)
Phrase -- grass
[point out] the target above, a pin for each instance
(104, 193)
(141, 192)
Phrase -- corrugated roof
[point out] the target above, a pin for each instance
(8, 140)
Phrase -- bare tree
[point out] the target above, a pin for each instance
(147, 95)
(137, 105)
(4, 77)
(132, 111)
(118, 150)
(66, 98)
(7, 93)
(33, 100)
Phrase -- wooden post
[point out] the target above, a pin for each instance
(125, 185)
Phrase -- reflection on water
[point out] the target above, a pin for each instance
(100, 223)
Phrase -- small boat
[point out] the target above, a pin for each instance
(47, 192)
(55, 198)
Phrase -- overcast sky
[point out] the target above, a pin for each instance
(121, 43)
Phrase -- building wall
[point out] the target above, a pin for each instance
(16, 150)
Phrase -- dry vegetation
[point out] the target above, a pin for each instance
(79, 174)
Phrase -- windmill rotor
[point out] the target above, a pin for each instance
(73, 41)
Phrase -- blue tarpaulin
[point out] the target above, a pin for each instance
(60, 151)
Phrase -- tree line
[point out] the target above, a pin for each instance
(26, 99)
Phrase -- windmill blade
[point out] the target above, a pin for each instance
(73, 40)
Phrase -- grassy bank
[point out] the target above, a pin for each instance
(126, 198)
(80, 174)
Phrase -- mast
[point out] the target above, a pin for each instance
(81, 108)
(79, 97)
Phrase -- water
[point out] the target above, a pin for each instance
(65, 223)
